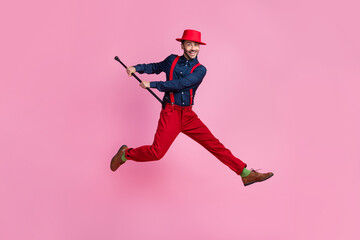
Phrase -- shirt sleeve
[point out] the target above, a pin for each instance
(152, 68)
(190, 80)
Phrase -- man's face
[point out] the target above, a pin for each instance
(191, 49)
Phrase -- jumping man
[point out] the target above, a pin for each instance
(183, 76)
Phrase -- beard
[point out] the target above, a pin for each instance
(188, 54)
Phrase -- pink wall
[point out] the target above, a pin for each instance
(285, 76)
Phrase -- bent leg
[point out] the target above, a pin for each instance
(197, 130)
(169, 126)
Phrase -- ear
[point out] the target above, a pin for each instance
(182, 46)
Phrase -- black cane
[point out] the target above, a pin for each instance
(117, 59)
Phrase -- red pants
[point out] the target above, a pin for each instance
(173, 120)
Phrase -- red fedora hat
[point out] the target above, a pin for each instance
(191, 35)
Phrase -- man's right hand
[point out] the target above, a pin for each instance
(130, 70)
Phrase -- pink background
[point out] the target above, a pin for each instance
(281, 92)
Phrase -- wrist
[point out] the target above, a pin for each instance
(153, 84)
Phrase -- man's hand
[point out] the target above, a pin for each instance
(145, 84)
(130, 70)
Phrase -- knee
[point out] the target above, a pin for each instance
(158, 154)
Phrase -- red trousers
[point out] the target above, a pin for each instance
(173, 120)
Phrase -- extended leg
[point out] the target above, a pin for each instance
(193, 127)
(169, 127)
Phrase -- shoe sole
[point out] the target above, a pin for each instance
(260, 180)
(114, 158)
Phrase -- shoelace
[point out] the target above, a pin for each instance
(255, 170)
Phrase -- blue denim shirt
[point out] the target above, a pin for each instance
(182, 81)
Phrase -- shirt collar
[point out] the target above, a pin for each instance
(192, 62)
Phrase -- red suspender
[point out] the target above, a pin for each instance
(195, 67)
(172, 99)
(191, 91)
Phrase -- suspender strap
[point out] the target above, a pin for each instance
(195, 67)
(172, 99)
(191, 90)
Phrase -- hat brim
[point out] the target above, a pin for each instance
(180, 39)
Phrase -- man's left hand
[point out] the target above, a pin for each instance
(145, 84)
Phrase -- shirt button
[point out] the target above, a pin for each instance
(180, 72)
(183, 103)
(182, 92)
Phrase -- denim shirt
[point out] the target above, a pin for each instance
(182, 81)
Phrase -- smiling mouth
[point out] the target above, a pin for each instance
(192, 53)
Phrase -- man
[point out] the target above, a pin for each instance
(183, 76)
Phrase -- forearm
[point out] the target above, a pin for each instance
(152, 68)
(170, 86)
(180, 84)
